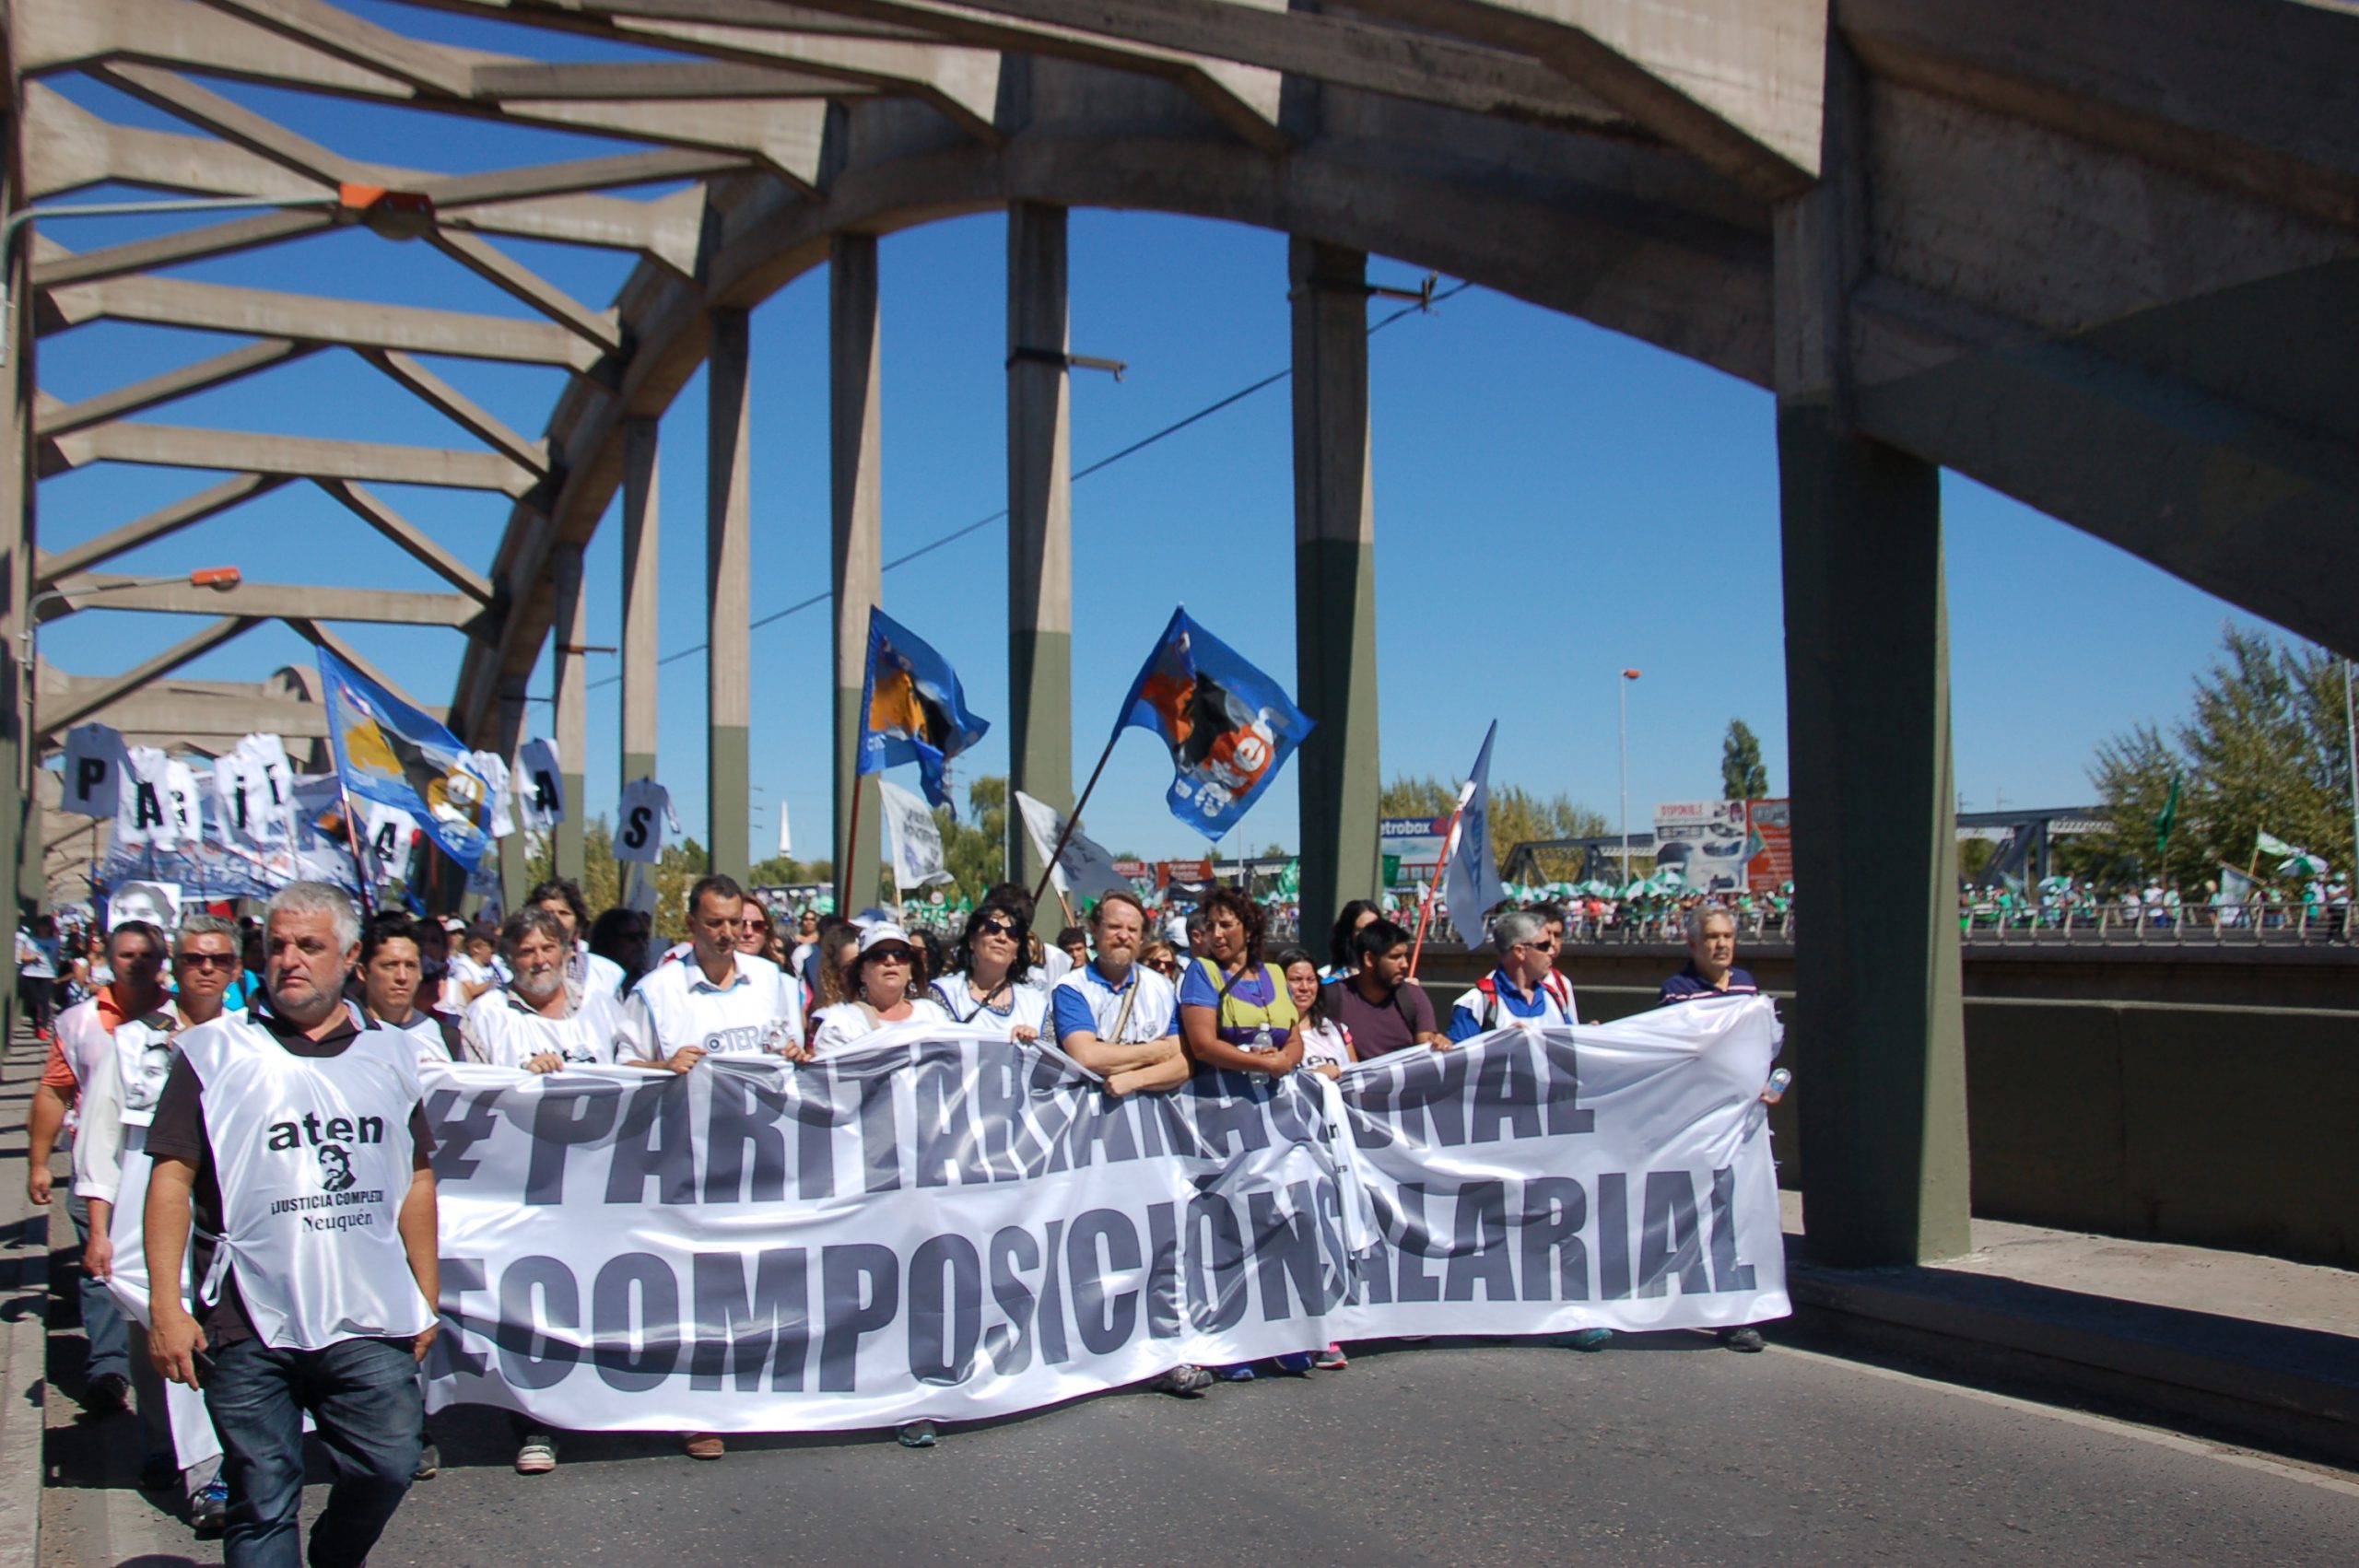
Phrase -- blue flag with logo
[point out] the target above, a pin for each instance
(388, 752)
(1229, 726)
(912, 708)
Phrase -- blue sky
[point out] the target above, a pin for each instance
(1553, 503)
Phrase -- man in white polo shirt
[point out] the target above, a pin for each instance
(289, 1137)
(716, 1002)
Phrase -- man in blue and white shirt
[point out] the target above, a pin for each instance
(1525, 988)
(1116, 1017)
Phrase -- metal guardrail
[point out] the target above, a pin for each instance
(2270, 926)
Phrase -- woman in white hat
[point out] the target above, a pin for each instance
(887, 981)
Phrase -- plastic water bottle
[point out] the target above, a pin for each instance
(1262, 1043)
(1780, 1081)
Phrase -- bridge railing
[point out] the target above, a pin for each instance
(2256, 925)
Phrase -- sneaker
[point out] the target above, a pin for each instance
(1746, 1340)
(1241, 1373)
(1587, 1339)
(208, 1511)
(1185, 1382)
(1332, 1359)
(1295, 1361)
(430, 1462)
(536, 1456)
(108, 1393)
(916, 1434)
(706, 1445)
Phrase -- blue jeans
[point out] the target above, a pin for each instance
(102, 1321)
(362, 1396)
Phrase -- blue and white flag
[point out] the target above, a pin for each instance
(1229, 727)
(912, 708)
(1472, 884)
(388, 752)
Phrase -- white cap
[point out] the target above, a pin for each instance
(882, 932)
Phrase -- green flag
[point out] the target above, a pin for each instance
(2168, 820)
(2266, 843)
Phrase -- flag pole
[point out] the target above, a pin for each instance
(352, 842)
(1072, 817)
(1433, 889)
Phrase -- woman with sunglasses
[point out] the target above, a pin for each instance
(992, 985)
(886, 986)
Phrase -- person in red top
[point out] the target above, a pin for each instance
(85, 1044)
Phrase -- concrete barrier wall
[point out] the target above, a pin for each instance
(2211, 1124)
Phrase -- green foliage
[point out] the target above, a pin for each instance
(1743, 777)
(2263, 749)
(1518, 816)
(976, 854)
(782, 871)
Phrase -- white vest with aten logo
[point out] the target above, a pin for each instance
(312, 1154)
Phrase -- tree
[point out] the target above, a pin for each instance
(977, 856)
(2264, 750)
(1518, 816)
(1741, 776)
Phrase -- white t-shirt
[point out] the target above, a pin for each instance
(427, 1030)
(1084, 1000)
(847, 1023)
(464, 971)
(1327, 1041)
(1054, 966)
(673, 1006)
(503, 1030)
(1017, 1006)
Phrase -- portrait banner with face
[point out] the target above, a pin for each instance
(158, 903)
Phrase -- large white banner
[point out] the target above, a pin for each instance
(946, 1226)
(951, 1226)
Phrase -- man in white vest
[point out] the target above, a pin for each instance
(289, 1137)
(115, 1111)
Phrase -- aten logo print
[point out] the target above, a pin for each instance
(336, 1129)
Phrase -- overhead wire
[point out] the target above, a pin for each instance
(1080, 473)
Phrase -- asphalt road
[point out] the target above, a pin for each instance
(1665, 1449)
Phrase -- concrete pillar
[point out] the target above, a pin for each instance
(572, 725)
(1040, 529)
(641, 520)
(1878, 1023)
(20, 836)
(515, 861)
(855, 426)
(727, 567)
(1334, 581)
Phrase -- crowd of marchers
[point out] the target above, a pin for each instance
(236, 1057)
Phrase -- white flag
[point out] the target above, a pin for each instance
(93, 771)
(1472, 882)
(141, 816)
(253, 792)
(388, 831)
(539, 786)
(494, 774)
(645, 808)
(184, 800)
(913, 836)
(1085, 869)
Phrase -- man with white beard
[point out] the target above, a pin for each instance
(547, 1018)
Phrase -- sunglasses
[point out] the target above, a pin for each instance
(890, 955)
(996, 928)
(206, 961)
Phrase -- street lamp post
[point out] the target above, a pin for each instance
(1627, 676)
(222, 578)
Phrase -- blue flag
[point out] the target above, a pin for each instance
(912, 708)
(388, 752)
(1229, 727)
(1471, 881)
